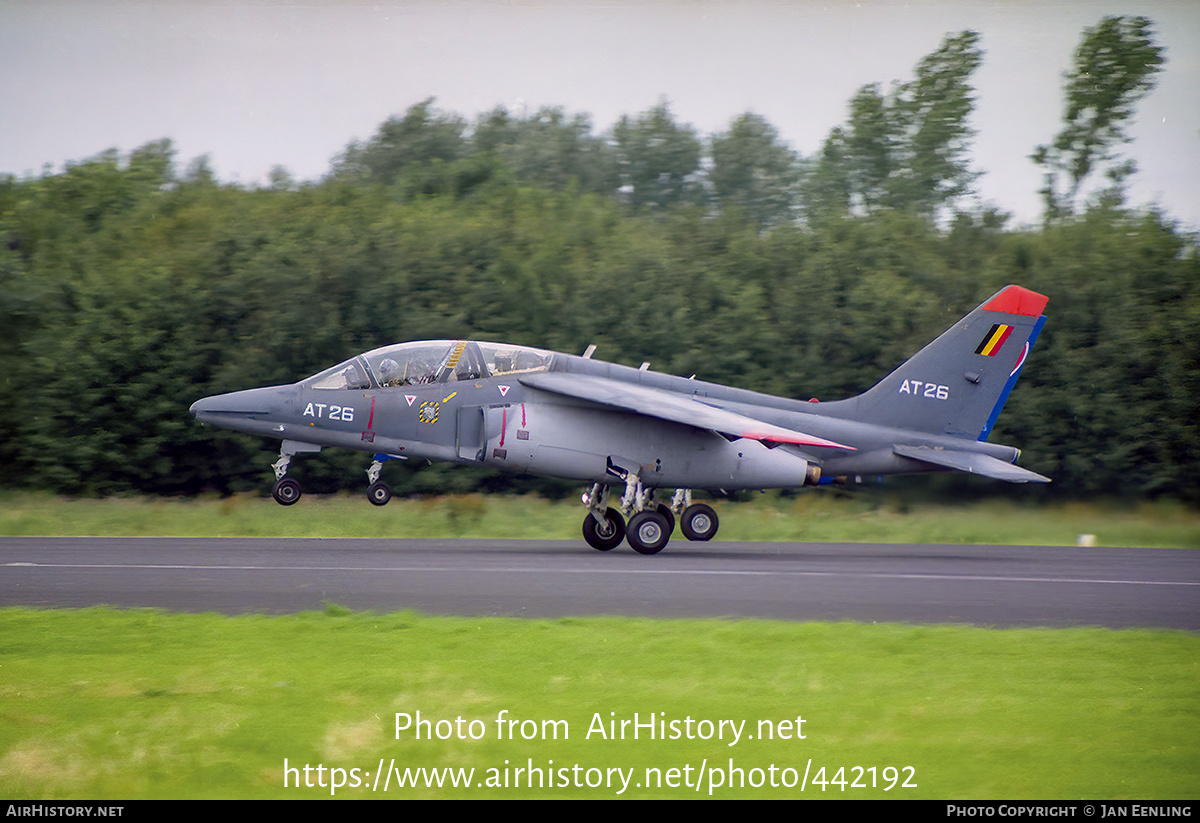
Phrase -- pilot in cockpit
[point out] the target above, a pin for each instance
(390, 374)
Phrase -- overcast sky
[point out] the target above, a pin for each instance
(256, 84)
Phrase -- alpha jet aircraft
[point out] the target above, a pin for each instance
(532, 411)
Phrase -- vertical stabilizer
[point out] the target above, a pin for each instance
(958, 384)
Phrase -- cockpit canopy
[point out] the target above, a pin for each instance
(431, 361)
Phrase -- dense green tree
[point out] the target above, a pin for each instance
(871, 149)
(755, 172)
(1114, 67)
(128, 291)
(658, 159)
(907, 149)
(423, 136)
(934, 110)
(827, 192)
(1109, 402)
(549, 148)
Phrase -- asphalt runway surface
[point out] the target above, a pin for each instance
(980, 585)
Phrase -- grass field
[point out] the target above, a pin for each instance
(814, 517)
(108, 704)
(131, 704)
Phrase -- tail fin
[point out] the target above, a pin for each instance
(958, 384)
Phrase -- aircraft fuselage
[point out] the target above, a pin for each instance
(532, 411)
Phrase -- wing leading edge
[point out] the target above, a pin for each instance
(670, 406)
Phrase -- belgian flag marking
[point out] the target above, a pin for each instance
(994, 339)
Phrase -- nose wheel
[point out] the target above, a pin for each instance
(379, 493)
(286, 491)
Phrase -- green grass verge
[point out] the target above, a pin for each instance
(122, 705)
(103, 704)
(818, 516)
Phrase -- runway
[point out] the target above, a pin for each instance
(980, 585)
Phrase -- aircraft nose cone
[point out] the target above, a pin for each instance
(241, 409)
(207, 409)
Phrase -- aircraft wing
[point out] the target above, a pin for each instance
(971, 462)
(671, 406)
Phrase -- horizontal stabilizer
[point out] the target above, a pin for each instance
(665, 405)
(972, 463)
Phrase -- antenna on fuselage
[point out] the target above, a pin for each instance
(589, 351)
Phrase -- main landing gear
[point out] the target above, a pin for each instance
(287, 490)
(650, 522)
(699, 522)
(606, 531)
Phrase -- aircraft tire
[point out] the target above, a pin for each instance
(647, 532)
(666, 512)
(604, 539)
(286, 491)
(699, 522)
(379, 493)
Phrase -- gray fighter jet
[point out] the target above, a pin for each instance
(531, 411)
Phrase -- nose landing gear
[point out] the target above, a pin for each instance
(379, 493)
(287, 491)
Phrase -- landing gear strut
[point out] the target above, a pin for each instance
(648, 532)
(650, 523)
(379, 493)
(607, 535)
(603, 528)
(287, 491)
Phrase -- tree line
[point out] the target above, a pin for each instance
(129, 289)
